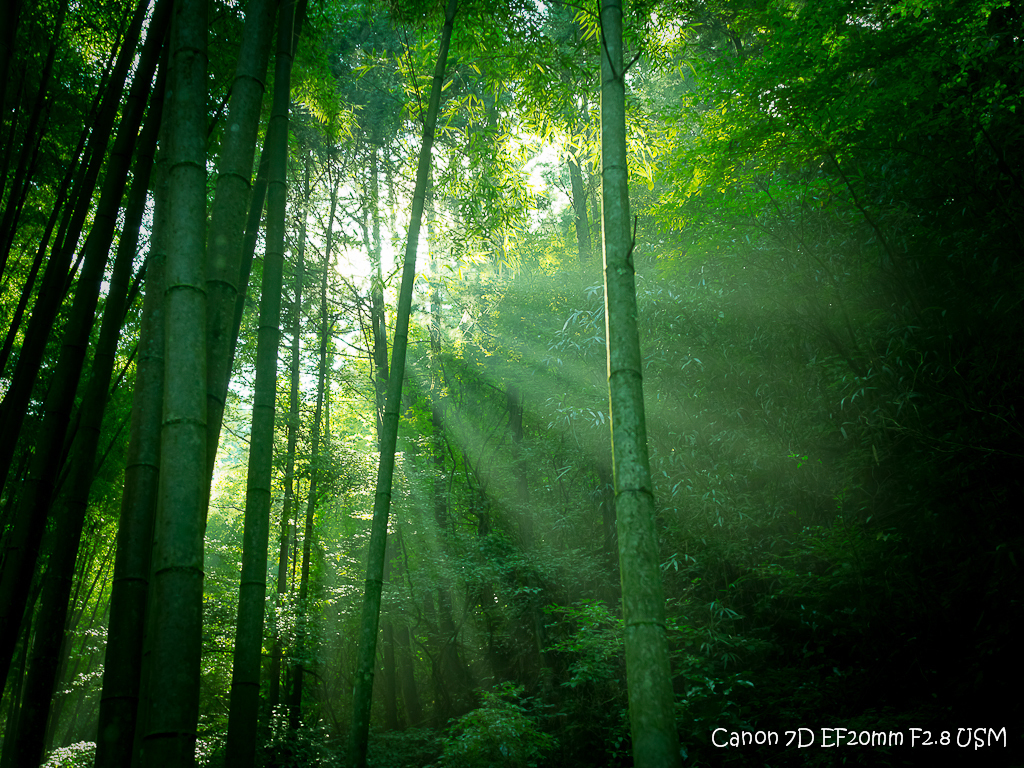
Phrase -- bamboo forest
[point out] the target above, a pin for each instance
(511, 383)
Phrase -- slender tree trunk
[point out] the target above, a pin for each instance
(289, 474)
(579, 207)
(230, 207)
(378, 325)
(391, 719)
(90, 152)
(578, 187)
(516, 408)
(403, 650)
(37, 494)
(91, 569)
(301, 627)
(7, 759)
(252, 230)
(31, 155)
(649, 679)
(17, 479)
(359, 735)
(177, 597)
(452, 680)
(390, 673)
(379, 354)
(29, 282)
(53, 289)
(441, 711)
(32, 138)
(57, 582)
(455, 674)
(119, 699)
(245, 680)
(7, 145)
(8, 35)
(606, 488)
(407, 677)
(60, 210)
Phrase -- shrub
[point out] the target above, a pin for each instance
(498, 733)
(80, 755)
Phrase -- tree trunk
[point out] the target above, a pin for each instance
(516, 409)
(379, 355)
(54, 286)
(449, 671)
(289, 473)
(73, 176)
(610, 547)
(28, 283)
(390, 671)
(8, 36)
(403, 645)
(91, 569)
(229, 212)
(359, 735)
(57, 582)
(407, 677)
(391, 722)
(122, 670)
(579, 207)
(7, 759)
(31, 138)
(649, 680)
(378, 325)
(301, 629)
(245, 679)
(252, 231)
(22, 548)
(174, 635)
(7, 142)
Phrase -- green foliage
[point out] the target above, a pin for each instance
(211, 739)
(594, 647)
(501, 732)
(307, 746)
(80, 755)
(83, 754)
(709, 700)
(413, 747)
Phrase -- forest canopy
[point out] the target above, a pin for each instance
(525, 383)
